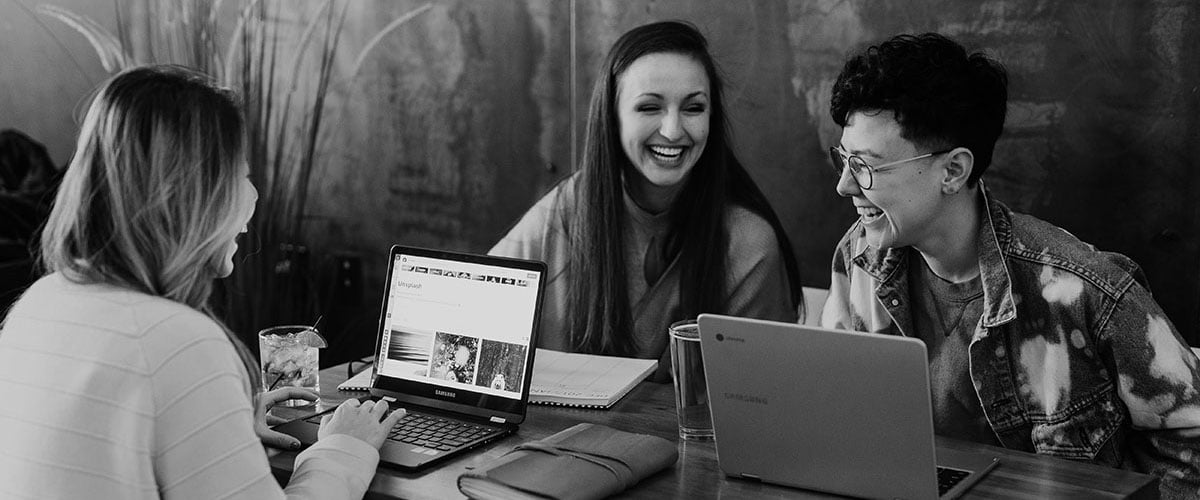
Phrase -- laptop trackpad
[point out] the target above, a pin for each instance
(304, 429)
(392, 453)
(406, 456)
(401, 454)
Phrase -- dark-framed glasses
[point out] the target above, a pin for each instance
(863, 172)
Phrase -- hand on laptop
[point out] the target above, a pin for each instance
(264, 420)
(361, 420)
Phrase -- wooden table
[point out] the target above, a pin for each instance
(650, 408)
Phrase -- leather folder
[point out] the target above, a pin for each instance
(583, 462)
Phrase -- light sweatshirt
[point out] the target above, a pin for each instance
(111, 393)
(755, 276)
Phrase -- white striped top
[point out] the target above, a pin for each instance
(110, 393)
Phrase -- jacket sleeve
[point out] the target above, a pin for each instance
(837, 311)
(1158, 381)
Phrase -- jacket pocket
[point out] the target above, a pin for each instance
(1082, 430)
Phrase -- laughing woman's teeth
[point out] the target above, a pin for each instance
(666, 153)
(870, 214)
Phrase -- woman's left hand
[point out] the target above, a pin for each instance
(263, 421)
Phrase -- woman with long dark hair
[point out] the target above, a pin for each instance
(661, 222)
(120, 382)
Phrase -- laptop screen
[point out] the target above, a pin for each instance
(459, 328)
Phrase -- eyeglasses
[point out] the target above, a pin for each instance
(864, 173)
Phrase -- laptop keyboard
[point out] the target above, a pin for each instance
(438, 433)
(434, 432)
(948, 477)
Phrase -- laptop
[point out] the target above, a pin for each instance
(829, 410)
(455, 345)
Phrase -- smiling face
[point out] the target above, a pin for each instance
(664, 109)
(904, 206)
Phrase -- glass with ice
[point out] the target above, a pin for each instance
(289, 356)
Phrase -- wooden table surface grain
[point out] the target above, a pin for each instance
(649, 408)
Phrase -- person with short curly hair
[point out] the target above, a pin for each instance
(1037, 341)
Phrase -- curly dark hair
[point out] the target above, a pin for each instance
(942, 96)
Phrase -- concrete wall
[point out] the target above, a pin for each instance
(46, 72)
(1102, 116)
(1102, 127)
(460, 120)
(450, 130)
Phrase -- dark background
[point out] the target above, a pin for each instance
(463, 118)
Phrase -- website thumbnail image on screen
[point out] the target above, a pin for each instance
(460, 325)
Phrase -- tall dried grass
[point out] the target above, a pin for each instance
(282, 63)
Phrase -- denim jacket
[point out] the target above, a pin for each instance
(1072, 356)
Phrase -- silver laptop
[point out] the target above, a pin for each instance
(455, 348)
(829, 410)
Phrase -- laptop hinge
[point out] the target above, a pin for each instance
(498, 420)
(751, 477)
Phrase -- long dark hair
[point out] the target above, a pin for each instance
(598, 303)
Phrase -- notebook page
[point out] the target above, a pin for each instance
(585, 379)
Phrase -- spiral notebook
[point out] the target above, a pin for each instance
(585, 380)
(361, 381)
(566, 379)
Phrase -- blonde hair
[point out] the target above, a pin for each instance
(148, 200)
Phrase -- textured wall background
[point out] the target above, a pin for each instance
(463, 118)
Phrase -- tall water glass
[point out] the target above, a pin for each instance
(691, 391)
(289, 361)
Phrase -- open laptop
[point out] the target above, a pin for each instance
(455, 345)
(836, 411)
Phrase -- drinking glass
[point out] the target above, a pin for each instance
(290, 358)
(691, 391)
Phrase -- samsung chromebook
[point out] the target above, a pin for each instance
(455, 345)
(835, 411)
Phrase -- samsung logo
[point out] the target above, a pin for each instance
(446, 394)
(745, 398)
(721, 338)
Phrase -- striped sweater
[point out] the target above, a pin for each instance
(111, 393)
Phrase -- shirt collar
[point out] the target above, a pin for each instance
(995, 234)
(656, 222)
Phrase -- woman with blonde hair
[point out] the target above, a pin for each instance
(122, 384)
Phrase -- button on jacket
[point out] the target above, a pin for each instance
(1072, 356)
